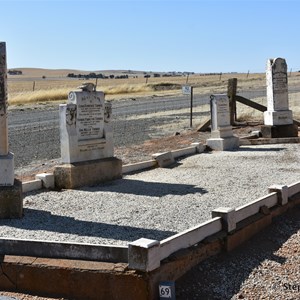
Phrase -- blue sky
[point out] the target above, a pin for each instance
(151, 35)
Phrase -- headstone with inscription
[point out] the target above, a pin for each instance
(222, 137)
(86, 133)
(278, 113)
(82, 128)
(11, 202)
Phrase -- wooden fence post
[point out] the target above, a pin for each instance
(231, 93)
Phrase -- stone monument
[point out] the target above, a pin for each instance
(278, 119)
(222, 137)
(11, 200)
(86, 137)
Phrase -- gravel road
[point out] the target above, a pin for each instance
(34, 129)
(157, 203)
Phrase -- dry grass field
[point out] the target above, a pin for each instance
(42, 85)
(55, 85)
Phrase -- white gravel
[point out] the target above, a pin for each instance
(157, 203)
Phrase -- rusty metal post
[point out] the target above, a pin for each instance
(231, 93)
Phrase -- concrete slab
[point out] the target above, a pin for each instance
(47, 180)
(164, 160)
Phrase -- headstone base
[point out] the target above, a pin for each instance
(230, 143)
(279, 131)
(70, 176)
(11, 201)
(222, 132)
(7, 174)
(284, 117)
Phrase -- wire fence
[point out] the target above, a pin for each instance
(154, 119)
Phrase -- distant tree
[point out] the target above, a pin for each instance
(15, 72)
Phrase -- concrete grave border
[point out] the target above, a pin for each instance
(137, 269)
(144, 263)
(46, 180)
(141, 265)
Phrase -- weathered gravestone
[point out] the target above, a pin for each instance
(11, 200)
(86, 138)
(222, 137)
(278, 119)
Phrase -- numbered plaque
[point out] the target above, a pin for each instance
(167, 290)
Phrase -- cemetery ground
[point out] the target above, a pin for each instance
(133, 153)
(267, 266)
(160, 202)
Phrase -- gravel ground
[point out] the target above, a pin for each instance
(157, 203)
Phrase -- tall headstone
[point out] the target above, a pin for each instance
(86, 138)
(222, 137)
(6, 158)
(82, 127)
(278, 119)
(278, 112)
(11, 204)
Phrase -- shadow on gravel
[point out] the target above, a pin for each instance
(43, 220)
(222, 276)
(242, 148)
(146, 188)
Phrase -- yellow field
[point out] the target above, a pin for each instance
(32, 88)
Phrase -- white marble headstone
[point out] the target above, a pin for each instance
(220, 116)
(278, 112)
(84, 134)
(277, 84)
(222, 137)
